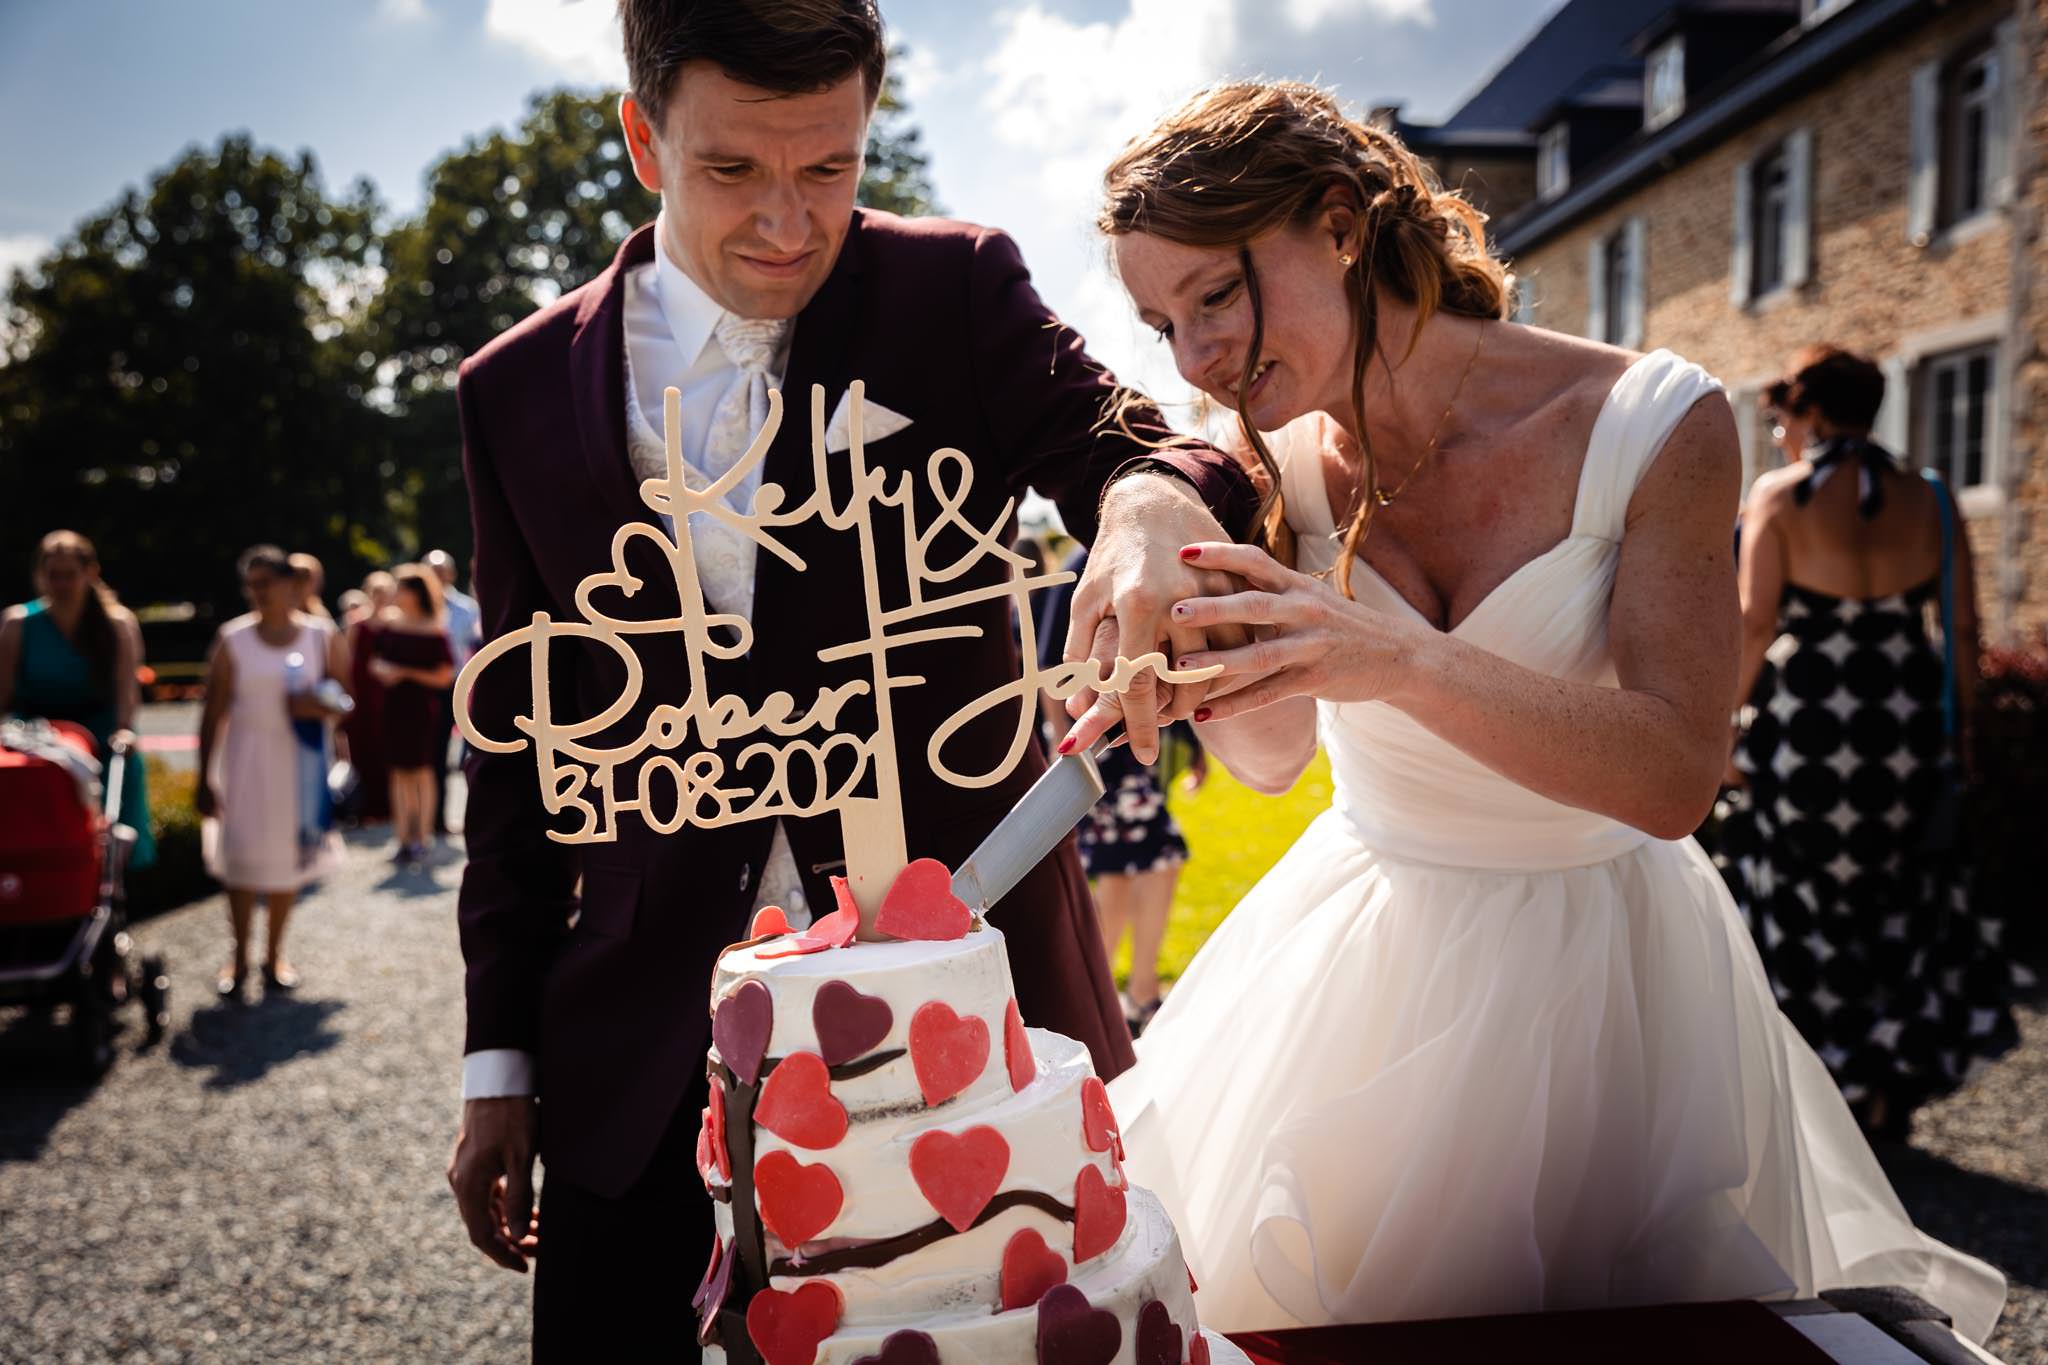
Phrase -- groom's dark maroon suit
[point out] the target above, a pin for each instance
(940, 320)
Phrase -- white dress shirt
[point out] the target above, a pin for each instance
(668, 325)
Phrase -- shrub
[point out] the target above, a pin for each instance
(179, 874)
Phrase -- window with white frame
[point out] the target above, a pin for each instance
(1664, 86)
(1553, 161)
(1614, 286)
(1773, 216)
(1969, 110)
(1961, 118)
(1958, 415)
(1770, 195)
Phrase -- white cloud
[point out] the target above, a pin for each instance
(1309, 14)
(400, 12)
(578, 37)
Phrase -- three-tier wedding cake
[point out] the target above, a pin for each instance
(905, 1174)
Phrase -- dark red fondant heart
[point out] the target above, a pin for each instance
(1072, 1331)
(797, 1104)
(1017, 1047)
(904, 1348)
(920, 904)
(740, 1027)
(848, 1023)
(946, 1051)
(960, 1172)
(1158, 1336)
(797, 1201)
(768, 921)
(1098, 1214)
(1098, 1121)
(712, 1293)
(710, 1273)
(1030, 1267)
(1198, 1349)
(786, 1328)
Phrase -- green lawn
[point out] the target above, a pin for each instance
(1234, 835)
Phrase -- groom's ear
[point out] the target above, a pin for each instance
(640, 143)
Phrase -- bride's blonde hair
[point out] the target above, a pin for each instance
(1243, 158)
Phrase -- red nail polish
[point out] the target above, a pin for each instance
(1190, 552)
(1066, 746)
(1201, 713)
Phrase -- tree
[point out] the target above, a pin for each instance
(898, 172)
(176, 385)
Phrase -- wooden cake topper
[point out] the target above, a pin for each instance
(579, 777)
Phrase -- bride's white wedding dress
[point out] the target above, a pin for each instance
(1466, 1050)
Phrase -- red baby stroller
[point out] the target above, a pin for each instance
(63, 914)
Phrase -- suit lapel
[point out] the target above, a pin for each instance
(597, 381)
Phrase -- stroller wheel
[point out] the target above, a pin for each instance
(155, 993)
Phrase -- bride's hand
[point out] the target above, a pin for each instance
(1311, 639)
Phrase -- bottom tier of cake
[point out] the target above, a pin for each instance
(1113, 1305)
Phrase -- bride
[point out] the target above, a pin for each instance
(1491, 1036)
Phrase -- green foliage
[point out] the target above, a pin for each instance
(176, 387)
(179, 874)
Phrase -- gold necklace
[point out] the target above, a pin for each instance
(1382, 496)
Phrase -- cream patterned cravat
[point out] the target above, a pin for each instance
(752, 345)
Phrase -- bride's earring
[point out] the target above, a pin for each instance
(1344, 259)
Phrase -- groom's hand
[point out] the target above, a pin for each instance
(491, 1172)
(1124, 602)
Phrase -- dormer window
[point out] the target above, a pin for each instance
(1553, 161)
(1664, 83)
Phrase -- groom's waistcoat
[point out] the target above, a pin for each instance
(940, 321)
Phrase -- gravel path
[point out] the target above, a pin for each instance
(268, 1185)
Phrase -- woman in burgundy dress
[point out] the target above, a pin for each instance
(365, 725)
(413, 662)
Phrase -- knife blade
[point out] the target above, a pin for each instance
(1034, 826)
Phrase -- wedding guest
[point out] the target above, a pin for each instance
(72, 654)
(1842, 844)
(1131, 846)
(365, 725)
(462, 621)
(355, 608)
(413, 665)
(262, 840)
(311, 576)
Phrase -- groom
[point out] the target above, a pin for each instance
(587, 1003)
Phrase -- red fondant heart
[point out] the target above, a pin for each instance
(1030, 1267)
(1158, 1336)
(716, 1116)
(1098, 1214)
(705, 1163)
(797, 1201)
(960, 1172)
(740, 1027)
(1193, 1288)
(848, 1023)
(908, 1347)
(1198, 1350)
(796, 1103)
(946, 1051)
(768, 920)
(920, 904)
(1098, 1120)
(786, 1328)
(1072, 1331)
(836, 930)
(1017, 1047)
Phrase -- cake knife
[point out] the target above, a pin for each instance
(1034, 827)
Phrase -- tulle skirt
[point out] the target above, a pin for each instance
(1390, 1090)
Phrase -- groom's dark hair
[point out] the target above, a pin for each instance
(790, 46)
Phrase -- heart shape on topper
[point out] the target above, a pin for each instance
(740, 1028)
(920, 905)
(958, 1173)
(908, 1347)
(1098, 1120)
(797, 1201)
(786, 1328)
(768, 921)
(947, 1051)
(1030, 1267)
(1072, 1331)
(797, 1104)
(848, 1023)
(1098, 1214)
(836, 930)
(1017, 1047)
(1158, 1336)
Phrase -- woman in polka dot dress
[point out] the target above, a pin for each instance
(1837, 840)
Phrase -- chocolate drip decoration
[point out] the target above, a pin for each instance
(749, 1241)
(883, 1250)
(845, 1071)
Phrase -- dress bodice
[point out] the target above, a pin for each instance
(1408, 793)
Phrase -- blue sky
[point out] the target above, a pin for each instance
(1021, 101)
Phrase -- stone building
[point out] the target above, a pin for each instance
(1733, 179)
